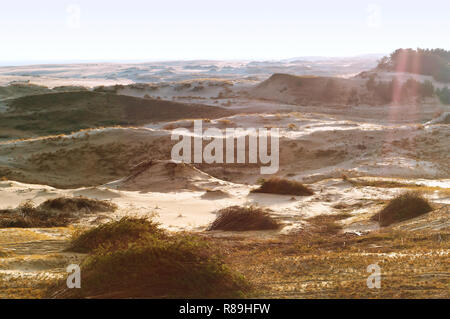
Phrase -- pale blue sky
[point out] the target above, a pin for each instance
(52, 30)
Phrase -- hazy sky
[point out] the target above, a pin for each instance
(58, 30)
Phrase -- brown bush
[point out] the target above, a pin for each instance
(405, 206)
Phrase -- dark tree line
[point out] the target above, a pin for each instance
(395, 91)
(433, 62)
(444, 95)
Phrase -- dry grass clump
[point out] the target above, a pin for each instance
(405, 206)
(114, 234)
(238, 218)
(149, 263)
(52, 213)
(282, 186)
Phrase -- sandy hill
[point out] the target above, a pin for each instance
(164, 176)
(66, 112)
(87, 158)
(311, 90)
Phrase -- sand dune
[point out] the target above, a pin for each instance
(161, 176)
(113, 143)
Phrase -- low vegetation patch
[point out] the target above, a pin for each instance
(327, 224)
(52, 213)
(70, 204)
(149, 264)
(283, 187)
(299, 264)
(238, 218)
(403, 207)
(3, 254)
(397, 184)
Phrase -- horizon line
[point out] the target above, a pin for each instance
(13, 63)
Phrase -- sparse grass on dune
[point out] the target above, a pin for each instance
(132, 258)
(379, 183)
(318, 263)
(281, 186)
(327, 224)
(52, 213)
(237, 218)
(405, 206)
(397, 184)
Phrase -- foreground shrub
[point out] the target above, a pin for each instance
(147, 265)
(52, 213)
(237, 218)
(283, 187)
(405, 206)
(114, 234)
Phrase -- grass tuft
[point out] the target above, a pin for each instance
(237, 218)
(284, 187)
(405, 206)
(149, 263)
